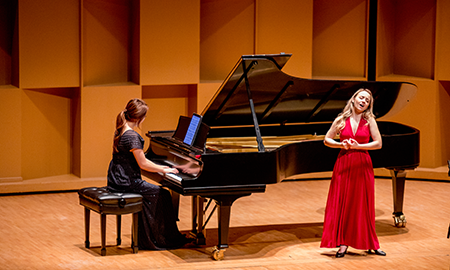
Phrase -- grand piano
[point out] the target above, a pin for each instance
(265, 126)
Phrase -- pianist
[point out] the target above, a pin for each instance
(157, 221)
(350, 210)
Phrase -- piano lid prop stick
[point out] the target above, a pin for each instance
(252, 108)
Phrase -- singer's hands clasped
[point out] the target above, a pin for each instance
(349, 143)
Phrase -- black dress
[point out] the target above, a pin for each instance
(157, 223)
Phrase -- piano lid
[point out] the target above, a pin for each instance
(280, 98)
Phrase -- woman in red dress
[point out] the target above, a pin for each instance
(350, 210)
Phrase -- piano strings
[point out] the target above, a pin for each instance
(249, 144)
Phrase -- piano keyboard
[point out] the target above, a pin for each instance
(174, 177)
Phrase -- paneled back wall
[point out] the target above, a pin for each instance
(68, 67)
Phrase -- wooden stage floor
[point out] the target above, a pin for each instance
(279, 229)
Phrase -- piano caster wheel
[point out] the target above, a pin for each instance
(400, 221)
(217, 254)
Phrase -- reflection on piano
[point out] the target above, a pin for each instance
(267, 126)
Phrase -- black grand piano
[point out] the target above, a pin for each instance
(265, 126)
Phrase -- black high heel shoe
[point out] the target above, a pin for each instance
(341, 254)
(377, 252)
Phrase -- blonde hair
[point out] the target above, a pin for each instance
(350, 108)
(135, 111)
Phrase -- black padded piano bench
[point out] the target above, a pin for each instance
(105, 203)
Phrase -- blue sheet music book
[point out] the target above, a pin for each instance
(192, 130)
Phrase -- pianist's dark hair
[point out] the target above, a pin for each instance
(135, 111)
(350, 107)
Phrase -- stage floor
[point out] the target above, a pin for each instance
(278, 229)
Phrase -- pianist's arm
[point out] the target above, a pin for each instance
(147, 165)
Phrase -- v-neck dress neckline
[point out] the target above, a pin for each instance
(357, 126)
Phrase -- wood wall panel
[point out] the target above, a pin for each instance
(443, 40)
(166, 104)
(385, 39)
(414, 50)
(49, 50)
(443, 120)
(107, 42)
(8, 13)
(99, 108)
(406, 38)
(74, 64)
(286, 26)
(46, 134)
(170, 49)
(227, 31)
(11, 135)
(339, 38)
(421, 113)
(206, 92)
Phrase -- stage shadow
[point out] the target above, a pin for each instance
(264, 240)
(111, 250)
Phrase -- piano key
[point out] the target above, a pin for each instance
(174, 177)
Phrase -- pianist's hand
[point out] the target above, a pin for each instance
(170, 170)
(186, 168)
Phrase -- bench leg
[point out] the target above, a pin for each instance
(119, 225)
(87, 220)
(103, 232)
(134, 233)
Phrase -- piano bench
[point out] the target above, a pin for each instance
(105, 203)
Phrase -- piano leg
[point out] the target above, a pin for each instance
(224, 212)
(198, 214)
(398, 190)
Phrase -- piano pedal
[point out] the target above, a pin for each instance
(200, 238)
(201, 241)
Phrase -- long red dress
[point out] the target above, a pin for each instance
(350, 211)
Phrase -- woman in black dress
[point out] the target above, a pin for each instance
(157, 222)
